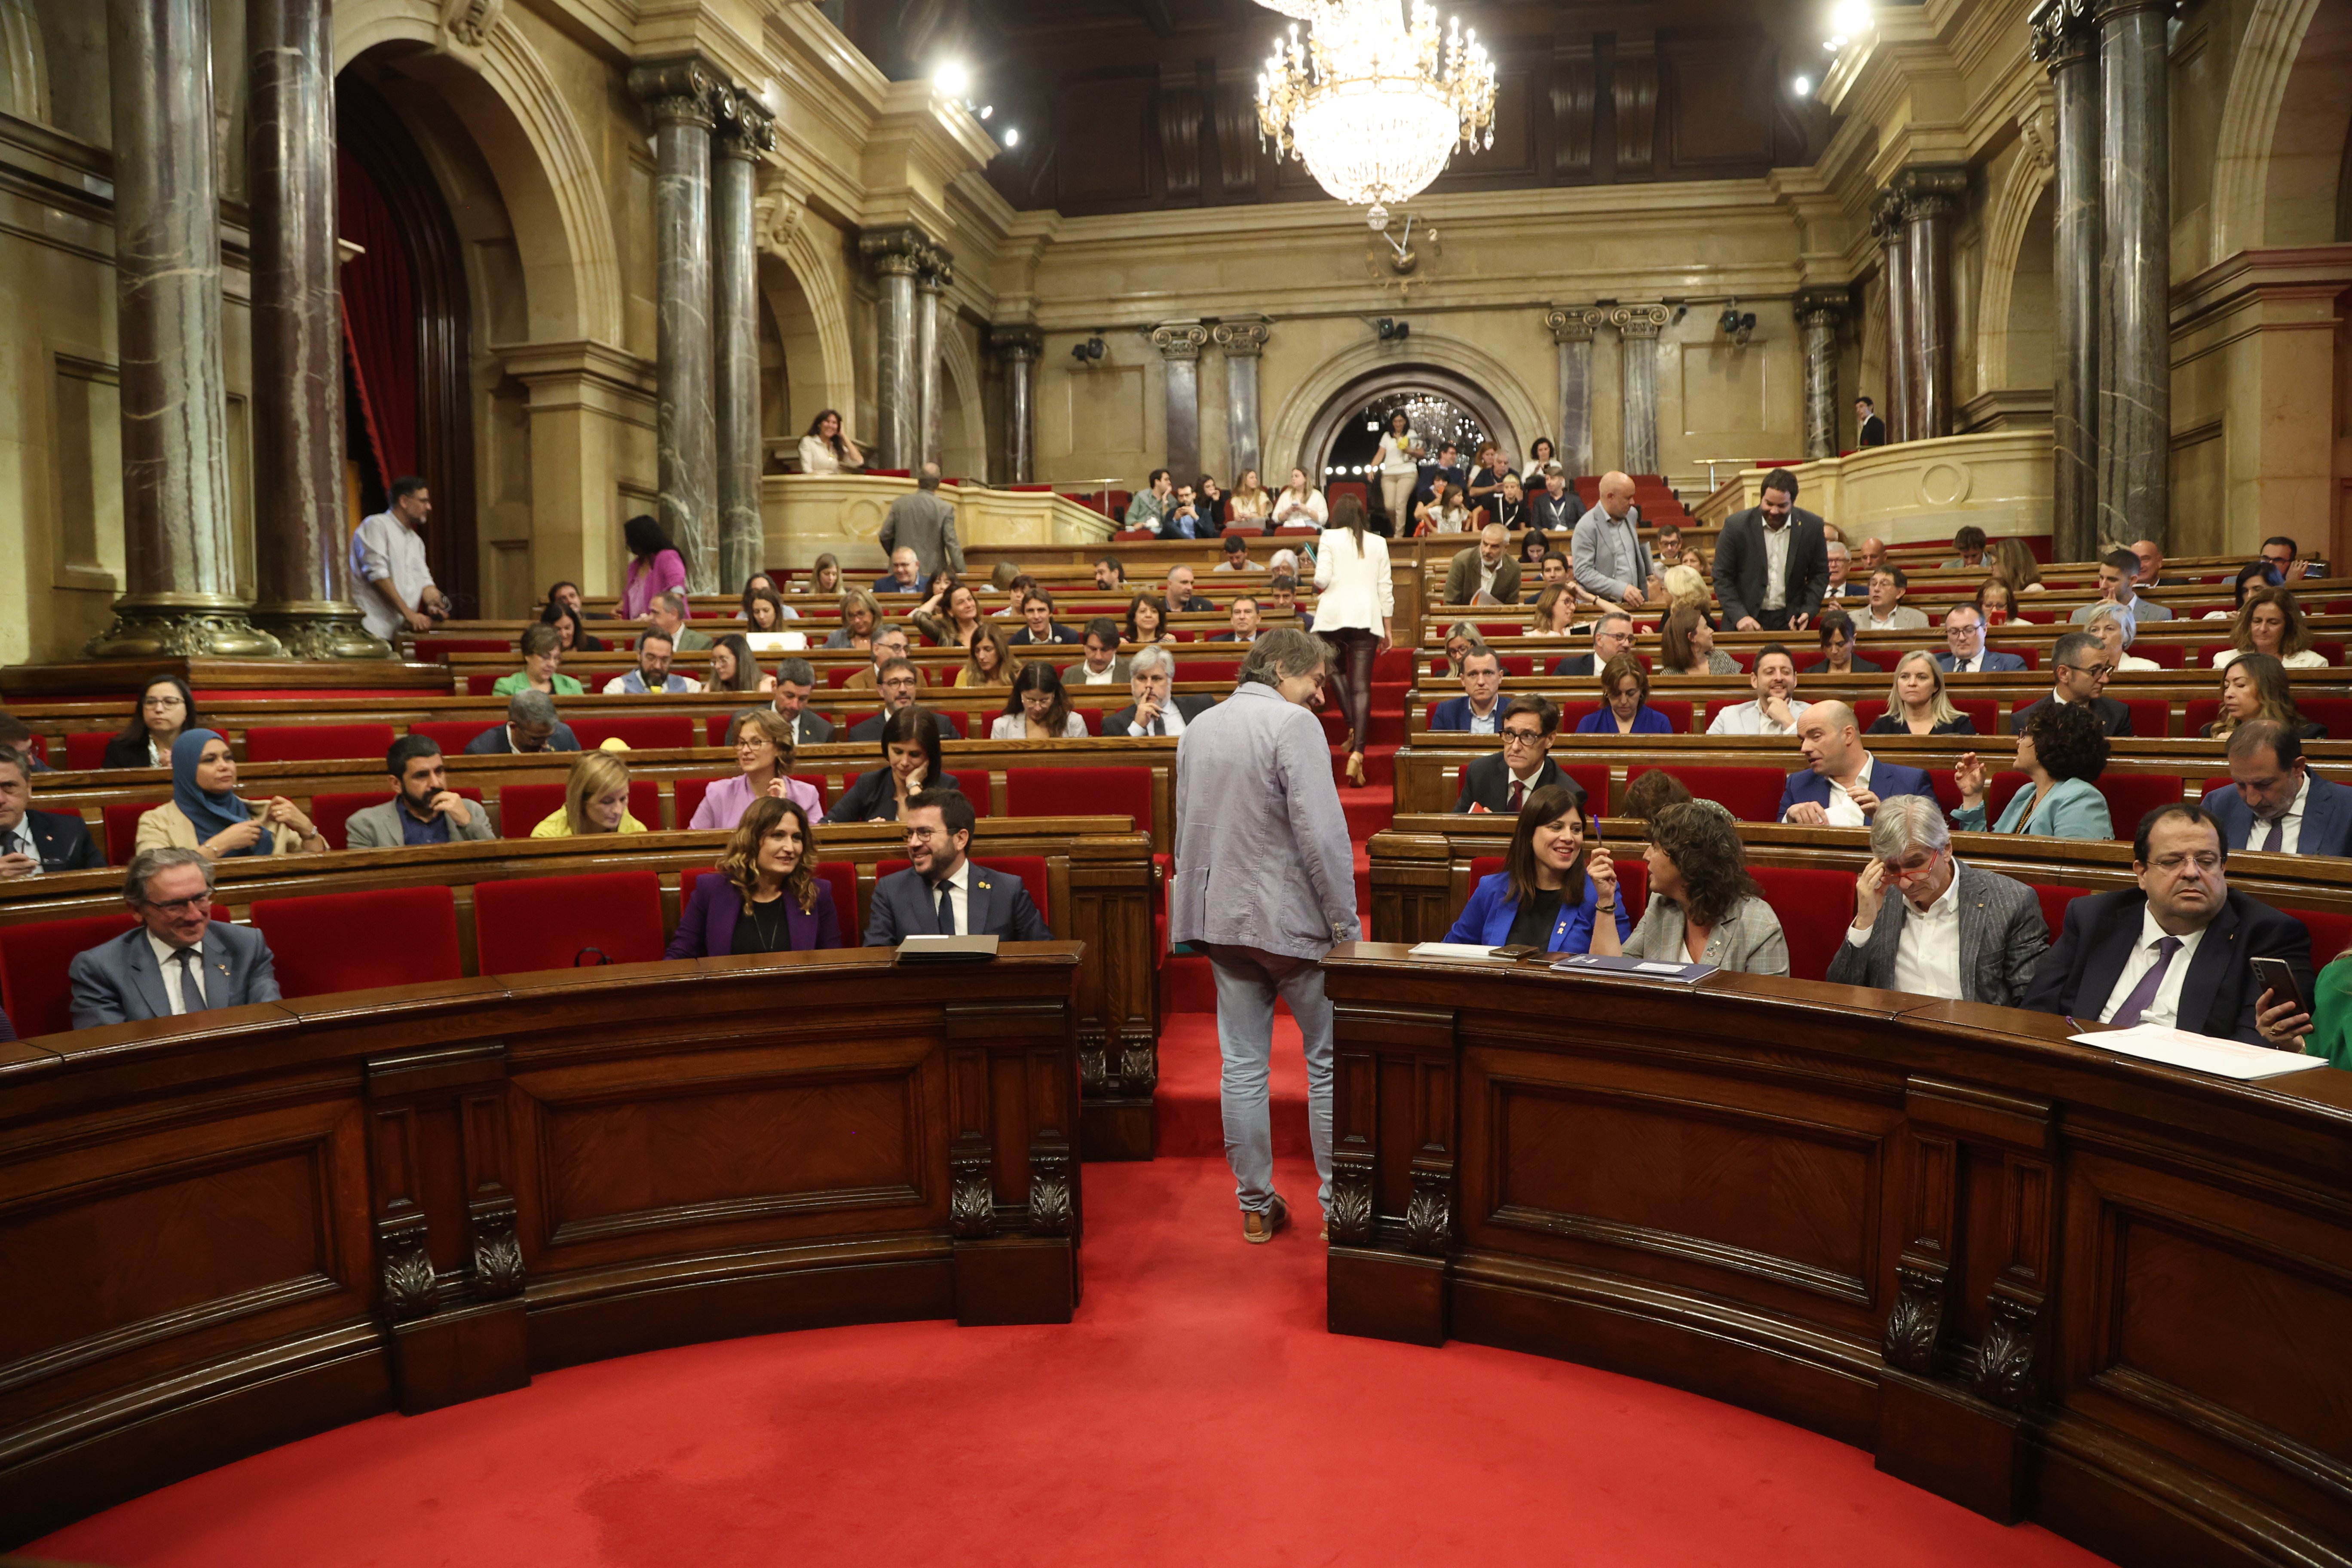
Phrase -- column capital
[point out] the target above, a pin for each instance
(681, 92)
(745, 128)
(894, 252)
(1243, 337)
(2062, 32)
(1886, 216)
(1638, 320)
(938, 270)
(1822, 307)
(1017, 341)
(1574, 323)
(1180, 339)
(1931, 192)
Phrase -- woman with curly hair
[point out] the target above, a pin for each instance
(2062, 751)
(1703, 907)
(949, 617)
(2255, 686)
(766, 896)
(2270, 622)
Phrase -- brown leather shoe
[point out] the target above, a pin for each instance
(1258, 1225)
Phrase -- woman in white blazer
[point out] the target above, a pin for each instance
(1355, 600)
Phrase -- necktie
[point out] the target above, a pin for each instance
(2278, 837)
(947, 912)
(20, 843)
(2145, 992)
(192, 995)
(1519, 795)
(1159, 725)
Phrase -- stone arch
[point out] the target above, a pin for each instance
(2015, 208)
(1309, 412)
(2283, 127)
(24, 64)
(796, 246)
(960, 392)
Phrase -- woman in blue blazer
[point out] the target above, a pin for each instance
(1541, 897)
(766, 896)
(1626, 685)
(2063, 752)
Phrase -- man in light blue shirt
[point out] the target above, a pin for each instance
(1611, 561)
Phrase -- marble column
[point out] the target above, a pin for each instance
(300, 558)
(2134, 281)
(895, 255)
(1180, 345)
(745, 132)
(1819, 312)
(938, 274)
(180, 588)
(1639, 326)
(678, 96)
(2064, 37)
(1886, 223)
(1571, 329)
(1243, 339)
(1931, 197)
(1018, 346)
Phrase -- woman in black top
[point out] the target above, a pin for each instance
(910, 749)
(1920, 707)
(571, 628)
(166, 709)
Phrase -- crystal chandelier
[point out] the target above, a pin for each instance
(1371, 102)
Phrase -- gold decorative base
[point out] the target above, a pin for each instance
(162, 630)
(321, 629)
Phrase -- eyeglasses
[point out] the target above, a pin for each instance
(1522, 737)
(2095, 671)
(183, 906)
(2206, 864)
(162, 702)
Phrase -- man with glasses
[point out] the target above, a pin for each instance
(2118, 571)
(899, 684)
(1954, 931)
(653, 673)
(1613, 634)
(2177, 949)
(1503, 780)
(178, 959)
(1479, 710)
(2079, 668)
(1964, 641)
(2286, 561)
(32, 842)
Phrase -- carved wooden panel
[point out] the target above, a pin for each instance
(1572, 101)
(1237, 139)
(1723, 92)
(1180, 140)
(1102, 155)
(1634, 98)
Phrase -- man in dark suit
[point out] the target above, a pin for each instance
(32, 841)
(178, 959)
(1772, 561)
(1486, 567)
(898, 685)
(1952, 930)
(1964, 642)
(531, 726)
(1613, 634)
(1842, 585)
(1241, 621)
(1177, 592)
(1870, 430)
(1445, 470)
(2275, 803)
(2079, 672)
(795, 684)
(1502, 780)
(1154, 711)
(941, 892)
(1039, 629)
(1478, 709)
(2177, 949)
(1841, 783)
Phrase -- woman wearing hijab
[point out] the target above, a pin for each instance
(205, 815)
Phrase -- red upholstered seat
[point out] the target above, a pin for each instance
(483, 683)
(1081, 791)
(355, 942)
(2054, 899)
(523, 806)
(315, 743)
(643, 731)
(839, 674)
(333, 813)
(1815, 908)
(2331, 933)
(2131, 796)
(2027, 651)
(440, 649)
(2163, 654)
(86, 749)
(34, 959)
(122, 829)
(1984, 713)
(1594, 778)
(1751, 794)
(546, 922)
(2335, 713)
(2151, 717)
(1207, 669)
(1030, 868)
(453, 735)
(977, 784)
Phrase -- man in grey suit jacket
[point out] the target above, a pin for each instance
(1267, 891)
(924, 523)
(1953, 931)
(178, 959)
(425, 811)
(942, 892)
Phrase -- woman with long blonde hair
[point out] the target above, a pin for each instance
(989, 660)
(595, 800)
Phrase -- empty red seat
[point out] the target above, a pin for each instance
(2163, 654)
(1751, 794)
(1815, 906)
(1594, 779)
(2331, 933)
(34, 961)
(1207, 669)
(2131, 796)
(121, 818)
(523, 806)
(1030, 868)
(453, 735)
(553, 922)
(356, 942)
(440, 649)
(1393, 666)
(1081, 791)
(483, 683)
(976, 785)
(2053, 900)
(86, 749)
(2335, 713)
(641, 732)
(331, 813)
(315, 743)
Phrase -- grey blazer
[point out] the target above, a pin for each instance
(1746, 940)
(2001, 939)
(924, 523)
(1277, 875)
(379, 827)
(117, 981)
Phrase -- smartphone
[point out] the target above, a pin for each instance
(2278, 977)
(1517, 950)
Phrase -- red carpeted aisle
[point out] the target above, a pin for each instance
(1197, 1411)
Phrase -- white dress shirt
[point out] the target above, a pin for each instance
(1748, 719)
(2291, 825)
(1927, 953)
(1172, 721)
(1972, 665)
(1842, 811)
(172, 969)
(388, 550)
(2164, 1007)
(959, 898)
(1776, 565)
(1087, 676)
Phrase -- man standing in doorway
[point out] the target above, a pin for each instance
(396, 588)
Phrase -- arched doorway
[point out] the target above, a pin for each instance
(1449, 406)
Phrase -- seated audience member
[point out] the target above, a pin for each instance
(1241, 621)
(1841, 783)
(653, 672)
(1460, 638)
(2255, 686)
(1281, 599)
(668, 614)
(1006, 577)
(899, 689)
(1775, 709)
(1970, 541)
(910, 754)
(2269, 622)
(1553, 570)
(1177, 597)
(765, 616)
(1952, 930)
(795, 684)
(763, 740)
(1540, 456)
(1626, 687)
(1298, 504)
(861, 612)
(1147, 620)
(595, 800)
(2061, 751)
(1555, 508)
(1446, 512)
(906, 574)
(1249, 504)
(205, 813)
(2118, 571)
(941, 892)
(165, 708)
(735, 667)
(1150, 506)
(32, 842)
(1154, 711)
(1669, 546)
(2249, 577)
(823, 580)
(2079, 670)
(1103, 664)
(571, 630)
(1508, 504)
(2015, 564)
(1487, 471)
(424, 811)
(1685, 587)
(1869, 556)
(177, 959)
(2116, 630)
(1555, 614)
(766, 896)
(2274, 802)
(1686, 646)
(567, 594)
(1508, 779)
(1479, 709)
(1184, 519)
(1964, 645)
(1842, 585)
(1920, 707)
(531, 726)
(1650, 794)
(1038, 708)
(827, 448)
(950, 616)
(1996, 601)
(2175, 951)
(1236, 555)
(1703, 907)
(1110, 574)
(1612, 634)
(889, 648)
(991, 660)
(1835, 630)
(1887, 611)
(1483, 572)
(1544, 896)
(2283, 560)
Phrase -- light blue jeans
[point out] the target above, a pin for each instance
(1248, 981)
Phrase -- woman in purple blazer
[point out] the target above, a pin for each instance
(766, 896)
(762, 739)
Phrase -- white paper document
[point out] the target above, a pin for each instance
(2199, 1053)
(1456, 949)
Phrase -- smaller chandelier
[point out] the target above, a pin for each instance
(1373, 104)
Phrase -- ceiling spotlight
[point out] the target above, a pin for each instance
(953, 79)
(1849, 17)
(1804, 86)
(1833, 45)
(1013, 136)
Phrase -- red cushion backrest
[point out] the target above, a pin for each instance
(2200, 712)
(1868, 712)
(122, 827)
(86, 749)
(1677, 711)
(1815, 908)
(331, 813)
(1984, 713)
(2151, 717)
(643, 731)
(2335, 713)
(686, 796)
(523, 806)
(315, 743)
(2163, 654)
(354, 942)
(977, 784)
(1207, 669)
(2054, 899)
(714, 729)
(1030, 868)
(1081, 791)
(1594, 777)
(483, 683)
(2131, 796)
(544, 923)
(2331, 933)
(1751, 794)
(35, 960)
(840, 673)
(1998, 787)
(1745, 660)
(453, 735)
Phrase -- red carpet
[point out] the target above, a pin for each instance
(1189, 1124)
(1195, 1412)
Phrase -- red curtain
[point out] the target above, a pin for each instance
(379, 320)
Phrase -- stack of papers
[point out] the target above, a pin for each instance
(2199, 1053)
(1648, 968)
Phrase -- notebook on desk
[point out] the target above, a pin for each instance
(945, 949)
(1647, 968)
